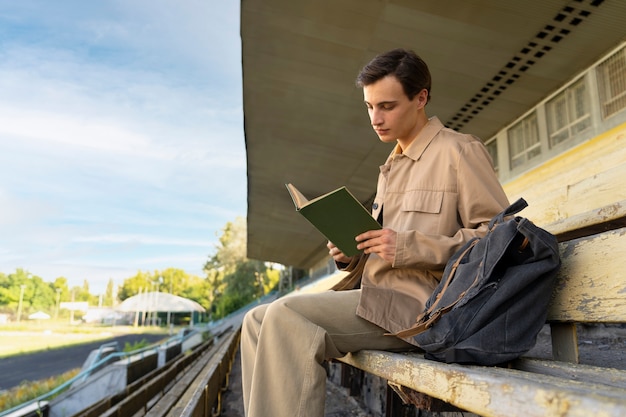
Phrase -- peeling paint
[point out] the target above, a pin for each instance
(591, 287)
(553, 403)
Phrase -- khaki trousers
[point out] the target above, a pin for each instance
(284, 345)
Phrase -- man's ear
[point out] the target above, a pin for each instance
(422, 98)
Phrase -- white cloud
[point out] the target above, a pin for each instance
(70, 130)
(142, 239)
(121, 135)
(16, 210)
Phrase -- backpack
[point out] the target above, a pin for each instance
(493, 298)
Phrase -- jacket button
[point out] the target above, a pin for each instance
(375, 206)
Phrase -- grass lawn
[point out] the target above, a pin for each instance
(27, 337)
(32, 337)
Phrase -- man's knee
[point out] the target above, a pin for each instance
(283, 311)
(275, 309)
(253, 318)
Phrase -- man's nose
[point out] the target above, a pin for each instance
(376, 117)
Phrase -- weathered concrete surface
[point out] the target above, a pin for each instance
(104, 383)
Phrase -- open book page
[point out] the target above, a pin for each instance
(299, 200)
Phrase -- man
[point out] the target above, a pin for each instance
(436, 191)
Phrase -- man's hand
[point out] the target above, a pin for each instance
(382, 242)
(337, 254)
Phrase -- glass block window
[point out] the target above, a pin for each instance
(611, 76)
(524, 142)
(568, 113)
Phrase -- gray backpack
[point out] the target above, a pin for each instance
(493, 298)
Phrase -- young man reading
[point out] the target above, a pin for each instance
(436, 190)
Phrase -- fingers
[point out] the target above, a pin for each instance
(337, 254)
(381, 242)
(370, 234)
(332, 249)
(375, 238)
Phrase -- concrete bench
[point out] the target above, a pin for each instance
(200, 390)
(165, 390)
(590, 289)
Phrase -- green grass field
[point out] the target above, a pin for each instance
(32, 337)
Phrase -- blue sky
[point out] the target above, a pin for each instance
(121, 135)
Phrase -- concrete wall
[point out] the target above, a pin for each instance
(104, 383)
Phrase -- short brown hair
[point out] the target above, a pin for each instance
(409, 69)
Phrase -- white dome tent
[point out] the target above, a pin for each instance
(147, 305)
(40, 315)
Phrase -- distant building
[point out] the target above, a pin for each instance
(154, 308)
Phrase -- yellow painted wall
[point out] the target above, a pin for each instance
(588, 176)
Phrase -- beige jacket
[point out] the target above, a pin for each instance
(436, 195)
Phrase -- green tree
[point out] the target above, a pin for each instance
(171, 280)
(34, 292)
(61, 284)
(234, 280)
(141, 282)
(232, 248)
(6, 297)
(176, 281)
(110, 296)
(62, 293)
(83, 294)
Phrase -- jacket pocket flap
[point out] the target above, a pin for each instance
(425, 201)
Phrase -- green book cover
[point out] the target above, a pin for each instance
(338, 215)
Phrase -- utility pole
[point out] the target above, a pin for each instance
(56, 313)
(73, 308)
(19, 305)
(136, 322)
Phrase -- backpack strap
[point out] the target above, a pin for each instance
(430, 316)
(514, 208)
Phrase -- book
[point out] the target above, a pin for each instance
(338, 215)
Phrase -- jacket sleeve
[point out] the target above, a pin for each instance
(351, 265)
(479, 198)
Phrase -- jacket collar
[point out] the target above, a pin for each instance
(421, 141)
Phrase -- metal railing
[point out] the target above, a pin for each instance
(84, 374)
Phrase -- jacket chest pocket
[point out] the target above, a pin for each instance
(422, 210)
(423, 201)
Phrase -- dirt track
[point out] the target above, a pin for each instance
(46, 364)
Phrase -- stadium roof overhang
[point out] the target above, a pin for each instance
(305, 123)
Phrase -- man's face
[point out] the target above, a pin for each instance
(392, 114)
